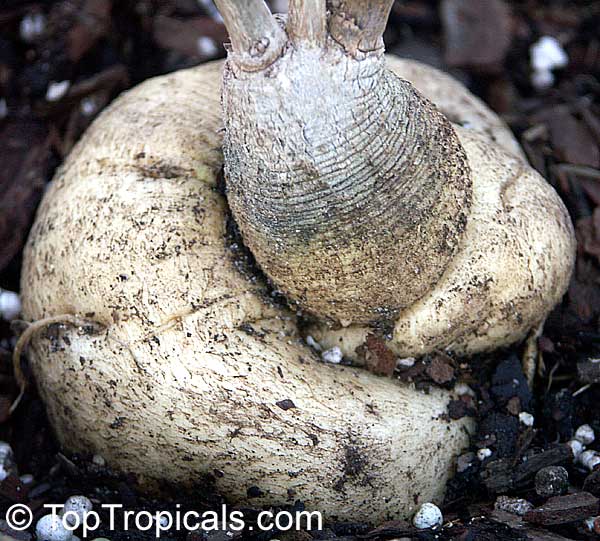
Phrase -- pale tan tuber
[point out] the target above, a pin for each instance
(368, 207)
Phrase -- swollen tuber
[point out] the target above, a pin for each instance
(365, 204)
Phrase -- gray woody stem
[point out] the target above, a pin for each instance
(307, 21)
(358, 25)
(255, 36)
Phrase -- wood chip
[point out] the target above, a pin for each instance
(502, 475)
(440, 370)
(592, 483)
(25, 151)
(13, 489)
(588, 234)
(184, 36)
(379, 359)
(391, 529)
(563, 509)
(532, 534)
(464, 406)
(571, 139)
(477, 33)
(93, 22)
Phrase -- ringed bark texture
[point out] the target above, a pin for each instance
(351, 189)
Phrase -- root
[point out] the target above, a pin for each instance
(74, 321)
(25, 339)
(532, 356)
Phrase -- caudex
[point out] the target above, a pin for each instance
(362, 202)
(372, 209)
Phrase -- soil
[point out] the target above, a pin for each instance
(102, 47)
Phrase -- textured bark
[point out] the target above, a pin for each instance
(358, 25)
(256, 37)
(351, 190)
(307, 22)
(513, 266)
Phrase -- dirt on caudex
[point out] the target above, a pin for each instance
(62, 62)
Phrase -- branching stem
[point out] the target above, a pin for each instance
(256, 37)
(358, 25)
(307, 22)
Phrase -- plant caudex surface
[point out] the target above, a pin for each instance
(359, 200)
